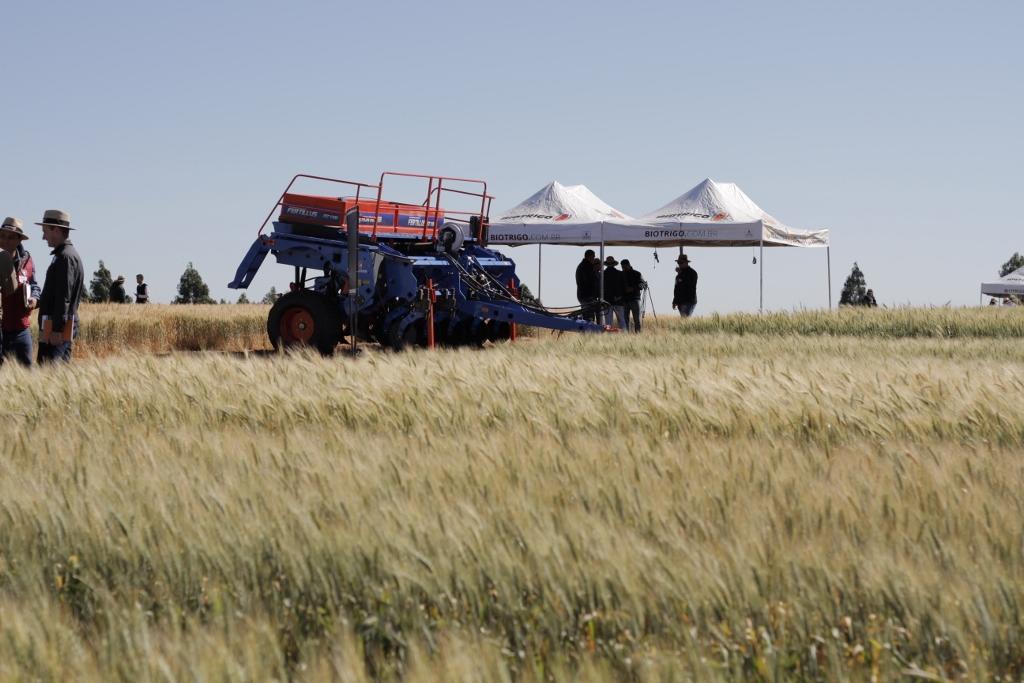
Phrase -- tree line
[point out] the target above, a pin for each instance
(191, 288)
(855, 288)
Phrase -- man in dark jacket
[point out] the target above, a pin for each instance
(614, 294)
(117, 293)
(633, 289)
(588, 285)
(18, 305)
(684, 297)
(58, 303)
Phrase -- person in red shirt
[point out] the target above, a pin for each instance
(18, 305)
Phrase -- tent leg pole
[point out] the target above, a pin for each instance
(600, 270)
(539, 282)
(761, 262)
(828, 265)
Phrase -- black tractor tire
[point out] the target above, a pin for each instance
(305, 319)
(409, 338)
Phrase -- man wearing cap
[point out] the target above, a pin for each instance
(117, 293)
(614, 294)
(684, 297)
(62, 290)
(18, 305)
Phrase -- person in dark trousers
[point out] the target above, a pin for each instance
(588, 285)
(117, 293)
(18, 305)
(141, 290)
(684, 296)
(614, 294)
(633, 289)
(8, 280)
(62, 290)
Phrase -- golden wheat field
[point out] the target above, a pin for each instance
(804, 496)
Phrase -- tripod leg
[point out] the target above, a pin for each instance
(651, 297)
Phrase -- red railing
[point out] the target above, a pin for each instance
(435, 190)
(430, 209)
(355, 183)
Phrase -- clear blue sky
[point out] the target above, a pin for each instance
(167, 130)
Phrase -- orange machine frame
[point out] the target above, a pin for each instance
(379, 217)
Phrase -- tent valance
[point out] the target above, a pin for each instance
(711, 214)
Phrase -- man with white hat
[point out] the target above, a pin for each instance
(58, 303)
(18, 305)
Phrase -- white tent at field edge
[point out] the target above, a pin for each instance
(711, 214)
(1011, 284)
(555, 214)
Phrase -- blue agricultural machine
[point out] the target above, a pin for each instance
(399, 274)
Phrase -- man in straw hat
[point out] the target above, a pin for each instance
(117, 293)
(684, 297)
(18, 305)
(613, 294)
(58, 303)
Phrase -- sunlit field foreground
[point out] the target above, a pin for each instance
(112, 329)
(673, 506)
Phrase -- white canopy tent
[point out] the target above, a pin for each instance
(711, 214)
(555, 214)
(1008, 285)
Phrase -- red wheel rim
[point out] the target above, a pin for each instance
(297, 326)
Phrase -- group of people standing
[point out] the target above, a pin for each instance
(624, 289)
(118, 295)
(56, 302)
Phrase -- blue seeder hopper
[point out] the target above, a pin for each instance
(399, 274)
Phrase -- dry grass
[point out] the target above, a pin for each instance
(664, 507)
(111, 329)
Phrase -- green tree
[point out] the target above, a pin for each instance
(1016, 261)
(527, 297)
(242, 299)
(99, 287)
(854, 288)
(192, 289)
(271, 296)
